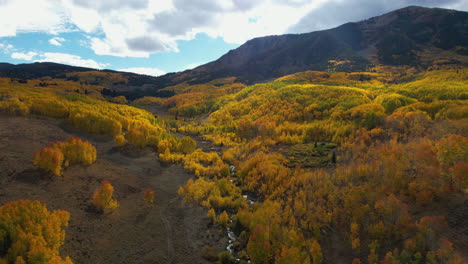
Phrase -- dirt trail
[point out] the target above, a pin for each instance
(169, 232)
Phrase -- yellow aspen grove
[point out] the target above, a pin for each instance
(63, 154)
(29, 233)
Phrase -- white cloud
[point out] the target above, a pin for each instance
(29, 16)
(137, 28)
(24, 56)
(333, 13)
(69, 59)
(140, 27)
(146, 71)
(56, 41)
(62, 58)
(6, 48)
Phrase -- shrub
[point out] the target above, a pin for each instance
(119, 140)
(187, 145)
(149, 196)
(120, 100)
(211, 215)
(223, 219)
(103, 197)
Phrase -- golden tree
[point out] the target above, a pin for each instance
(103, 197)
(31, 234)
(223, 219)
(119, 140)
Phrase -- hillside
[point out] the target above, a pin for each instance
(347, 145)
(357, 161)
(413, 36)
(131, 85)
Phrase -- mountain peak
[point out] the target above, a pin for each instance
(414, 36)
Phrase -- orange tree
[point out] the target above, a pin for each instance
(29, 233)
(103, 197)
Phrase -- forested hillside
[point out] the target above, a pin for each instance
(354, 164)
(347, 145)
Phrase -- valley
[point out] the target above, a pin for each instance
(341, 146)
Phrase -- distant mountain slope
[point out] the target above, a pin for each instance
(129, 84)
(414, 36)
(37, 70)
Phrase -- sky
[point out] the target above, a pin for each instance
(155, 37)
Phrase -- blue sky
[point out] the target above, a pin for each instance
(200, 50)
(159, 36)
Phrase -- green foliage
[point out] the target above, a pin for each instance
(309, 155)
(187, 145)
(225, 257)
(393, 101)
(120, 100)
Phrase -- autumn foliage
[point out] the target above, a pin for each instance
(83, 107)
(398, 141)
(29, 233)
(63, 154)
(103, 197)
(149, 197)
(396, 145)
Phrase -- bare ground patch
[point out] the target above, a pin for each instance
(169, 232)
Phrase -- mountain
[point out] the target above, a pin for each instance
(38, 70)
(413, 36)
(133, 86)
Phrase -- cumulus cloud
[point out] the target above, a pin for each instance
(146, 71)
(145, 43)
(56, 41)
(63, 58)
(24, 56)
(137, 28)
(68, 59)
(6, 48)
(115, 26)
(30, 16)
(180, 22)
(336, 12)
(108, 5)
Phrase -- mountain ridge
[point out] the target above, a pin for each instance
(413, 36)
(393, 38)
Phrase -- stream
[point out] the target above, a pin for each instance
(207, 146)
